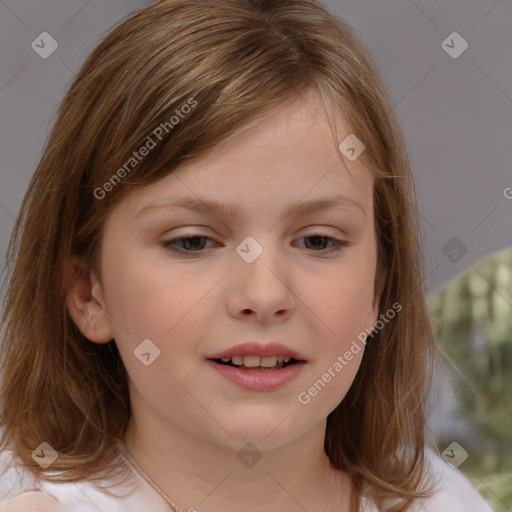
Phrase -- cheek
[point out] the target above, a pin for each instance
(341, 314)
(340, 304)
(146, 296)
(154, 301)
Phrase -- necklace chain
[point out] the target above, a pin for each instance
(133, 462)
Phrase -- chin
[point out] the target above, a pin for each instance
(266, 434)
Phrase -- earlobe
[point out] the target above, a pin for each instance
(85, 303)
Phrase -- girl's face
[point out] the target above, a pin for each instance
(265, 213)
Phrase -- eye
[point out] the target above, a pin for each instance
(196, 243)
(319, 239)
(190, 243)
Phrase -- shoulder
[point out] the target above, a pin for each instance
(453, 491)
(20, 490)
(31, 501)
(14, 478)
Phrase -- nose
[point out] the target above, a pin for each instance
(261, 287)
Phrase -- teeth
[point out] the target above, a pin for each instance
(256, 361)
(267, 362)
(252, 361)
(238, 360)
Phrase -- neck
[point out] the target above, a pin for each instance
(201, 474)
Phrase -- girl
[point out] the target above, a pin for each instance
(215, 297)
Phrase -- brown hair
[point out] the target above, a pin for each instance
(239, 62)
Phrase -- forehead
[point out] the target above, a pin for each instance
(287, 157)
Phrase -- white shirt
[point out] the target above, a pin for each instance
(454, 492)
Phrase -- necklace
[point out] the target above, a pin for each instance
(127, 454)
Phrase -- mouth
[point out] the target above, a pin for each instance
(257, 366)
(258, 373)
(257, 363)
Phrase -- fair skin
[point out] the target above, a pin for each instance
(31, 502)
(188, 422)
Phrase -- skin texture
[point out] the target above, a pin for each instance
(188, 422)
(31, 502)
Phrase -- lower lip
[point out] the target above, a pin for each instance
(258, 380)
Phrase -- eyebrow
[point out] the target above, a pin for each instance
(233, 210)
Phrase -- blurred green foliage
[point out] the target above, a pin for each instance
(472, 317)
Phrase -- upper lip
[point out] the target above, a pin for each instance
(253, 348)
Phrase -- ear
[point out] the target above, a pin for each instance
(85, 303)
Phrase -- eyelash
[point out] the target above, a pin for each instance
(338, 245)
